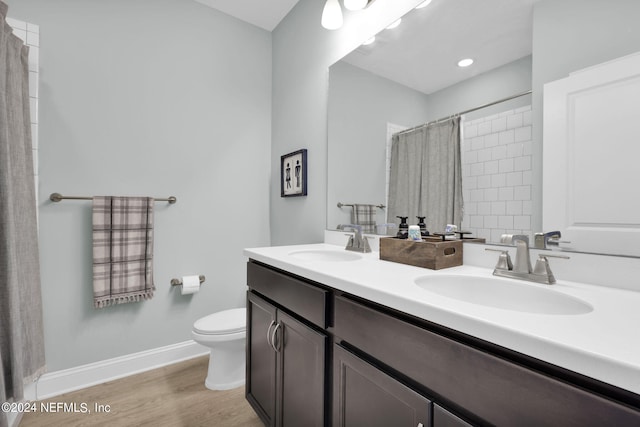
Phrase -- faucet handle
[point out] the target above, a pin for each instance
(366, 248)
(553, 256)
(542, 266)
(504, 260)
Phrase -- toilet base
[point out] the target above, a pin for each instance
(228, 386)
(226, 367)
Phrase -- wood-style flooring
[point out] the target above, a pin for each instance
(171, 396)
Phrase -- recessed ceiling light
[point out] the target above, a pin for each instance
(465, 62)
(369, 41)
(423, 4)
(394, 25)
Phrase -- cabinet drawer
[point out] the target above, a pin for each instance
(496, 390)
(308, 301)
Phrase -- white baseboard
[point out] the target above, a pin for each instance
(56, 383)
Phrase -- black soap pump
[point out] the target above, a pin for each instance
(423, 227)
(403, 228)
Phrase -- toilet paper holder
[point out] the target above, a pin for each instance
(178, 282)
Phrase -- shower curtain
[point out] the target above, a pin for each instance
(426, 175)
(21, 332)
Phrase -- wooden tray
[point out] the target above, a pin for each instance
(432, 253)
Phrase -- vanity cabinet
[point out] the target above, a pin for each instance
(286, 353)
(314, 351)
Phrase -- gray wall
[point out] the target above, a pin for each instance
(158, 98)
(569, 35)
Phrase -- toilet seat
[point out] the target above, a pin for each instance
(222, 323)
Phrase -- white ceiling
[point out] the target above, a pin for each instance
(265, 14)
(423, 52)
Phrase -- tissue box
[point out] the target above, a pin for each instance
(432, 252)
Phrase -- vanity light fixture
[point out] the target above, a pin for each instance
(332, 12)
(423, 4)
(332, 15)
(395, 24)
(465, 62)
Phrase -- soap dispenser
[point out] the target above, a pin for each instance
(403, 228)
(423, 227)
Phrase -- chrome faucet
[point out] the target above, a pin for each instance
(523, 261)
(544, 240)
(357, 242)
(521, 269)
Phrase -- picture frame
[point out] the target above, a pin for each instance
(293, 174)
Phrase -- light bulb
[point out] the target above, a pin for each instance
(355, 4)
(465, 62)
(423, 4)
(332, 15)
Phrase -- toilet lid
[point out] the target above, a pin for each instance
(222, 322)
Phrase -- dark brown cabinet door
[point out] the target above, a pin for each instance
(301, 374)
(261, 358)
(365, 396)
(285, 367)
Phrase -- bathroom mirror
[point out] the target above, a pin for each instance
(408, 76)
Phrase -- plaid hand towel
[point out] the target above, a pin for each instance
(364, 215)
(122, 250)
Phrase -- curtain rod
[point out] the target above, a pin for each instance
(56, 197)
(500, 101)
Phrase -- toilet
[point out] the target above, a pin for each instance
(224, 333)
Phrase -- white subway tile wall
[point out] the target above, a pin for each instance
(496, 174)
(30, 35)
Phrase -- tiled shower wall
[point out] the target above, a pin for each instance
(30, 35)
(496, 174)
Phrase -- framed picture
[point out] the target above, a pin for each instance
(293, 174)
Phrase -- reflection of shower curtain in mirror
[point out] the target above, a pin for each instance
(426, 175)
(21, 328)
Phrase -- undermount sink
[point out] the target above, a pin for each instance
(325, 255)
(504, 293)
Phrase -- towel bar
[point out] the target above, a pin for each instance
(178, 282)
(57, 197)
(380, 206)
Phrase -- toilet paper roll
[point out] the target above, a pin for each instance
(190, 284)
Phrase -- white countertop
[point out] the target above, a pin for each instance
(603, 344)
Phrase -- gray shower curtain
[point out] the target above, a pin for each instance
(21, 333)
(426, 175)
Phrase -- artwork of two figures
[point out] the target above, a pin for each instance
(293, 171)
